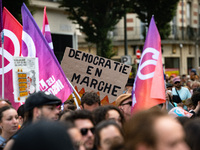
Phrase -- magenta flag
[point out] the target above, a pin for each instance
(46, 29)
(51, 75)
(1, 16)
(148, 88)
(12, 47)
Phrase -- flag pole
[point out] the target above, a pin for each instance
(76, 102)
(2, 45)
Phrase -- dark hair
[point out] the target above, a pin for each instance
(140, 129)
(195, 98)
(102, 125)
(101, 112)
(43, 135)
(90, 98)
(2, 109)
(192, 130)
(70, 103)
(80, 114)
(21, 111)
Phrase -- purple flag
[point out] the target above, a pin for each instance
(51, 75)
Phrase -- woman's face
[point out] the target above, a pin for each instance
(9, 122)
(113, 114)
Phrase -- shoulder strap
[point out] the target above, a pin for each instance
(178, 94)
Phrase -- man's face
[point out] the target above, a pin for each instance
(76, 138)
(125, 106)
(49, 112)
(170, 134)
(108, 135)
(177, 84)
(90, 107)
(86, 128)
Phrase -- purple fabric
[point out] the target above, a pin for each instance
(51, 75)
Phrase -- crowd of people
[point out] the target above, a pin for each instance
(41, 123)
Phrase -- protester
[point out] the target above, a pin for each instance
(193, 75)
(179, 93)
(83, 120)
(192, 130)
(108, 112)
(41, 105)
(20, 112)
(8, 124)
(129, 86)
(38, 106)
(69, 105)
(124, 103)
(90, 101)
(196, 102)
(189, 104)
(43, 135)
(75, 135)
(154, 129)
(106, 133)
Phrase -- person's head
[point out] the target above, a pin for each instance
(8, 120)
(43, 135)
(107, 132)
(20, 112)
(169, 86)
(129, 85)
(189, 104)
(193, 72)
(108, 112)
(41, 105)
(177, 82)
(124, 103)
(192, 131)
(195, 84)
(69, 105)
(5, 102)
(153, 129)
(83, 120)
(90, 101)
(75, 135)
(195, 98)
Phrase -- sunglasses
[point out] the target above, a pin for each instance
(176, 82)
(128, 103)
(84, 131)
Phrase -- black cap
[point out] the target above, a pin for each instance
(41, 98)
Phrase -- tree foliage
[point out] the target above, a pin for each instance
(14, 7)
(96, 19)
(163, 11)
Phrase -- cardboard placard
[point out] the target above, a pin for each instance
(95, 73)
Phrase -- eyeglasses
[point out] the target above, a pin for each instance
(84, 131)
(128, 103)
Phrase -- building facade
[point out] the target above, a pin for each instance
(180, 50)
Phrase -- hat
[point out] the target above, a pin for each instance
(41, 98)
(169, 85)
(122, 98)
(176, 79)
(130, 82)
(194, 70)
